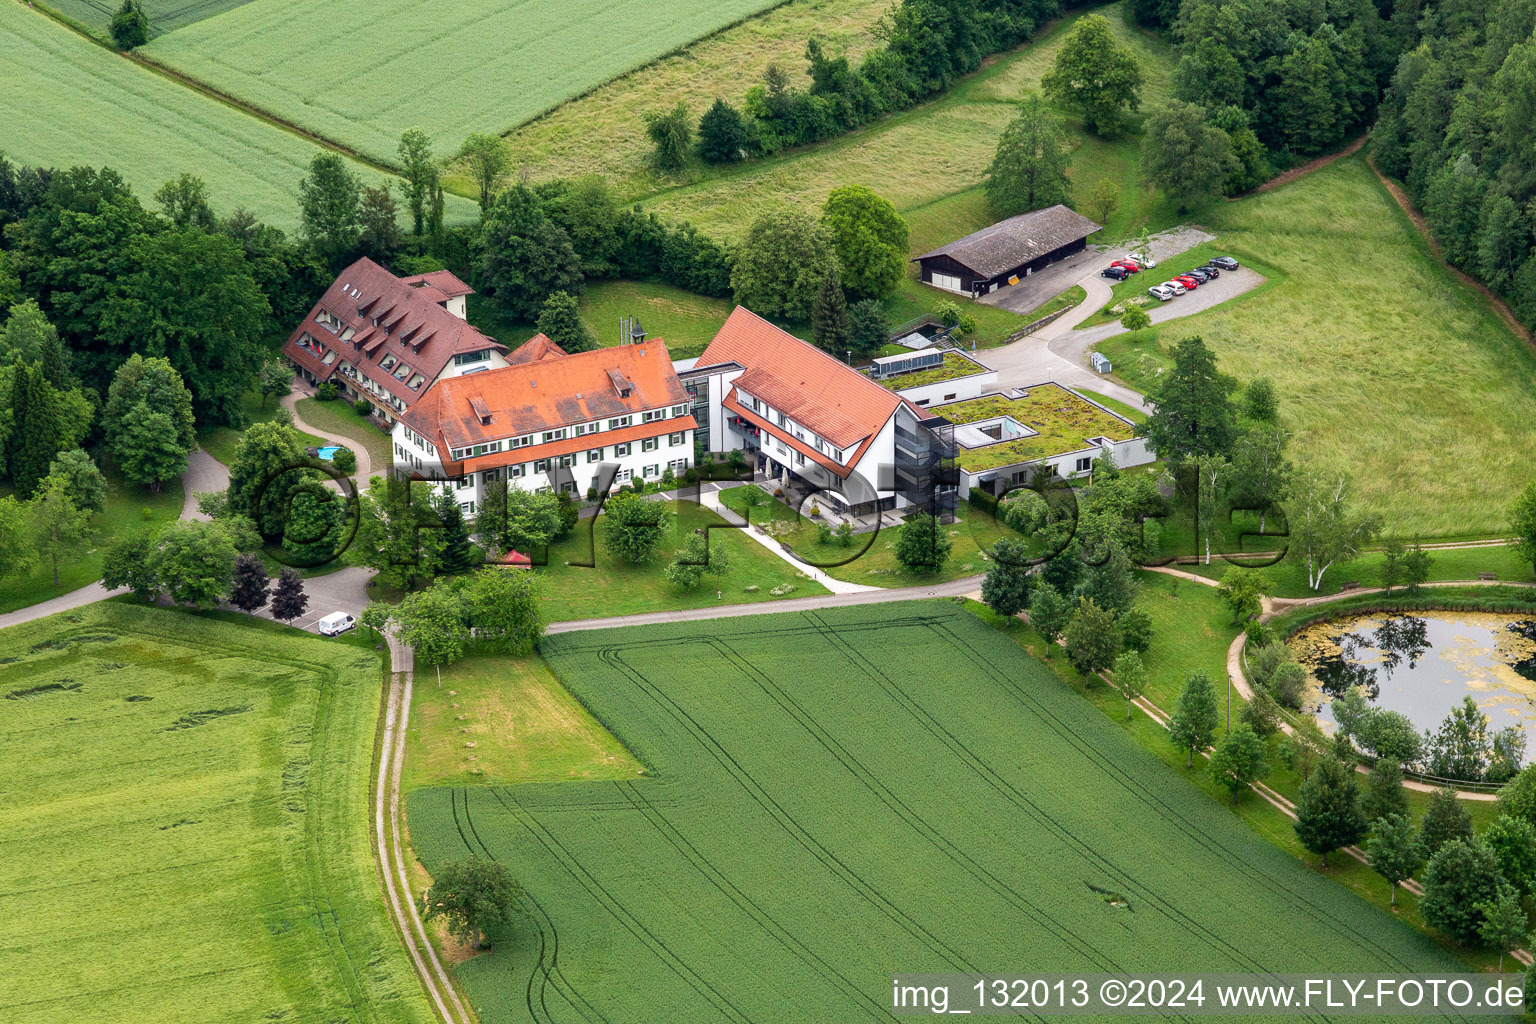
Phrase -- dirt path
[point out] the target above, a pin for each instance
(1317, 164)
(390, 851)
(1401, 198)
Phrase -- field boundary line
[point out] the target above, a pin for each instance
(186, 81)
(389, 852)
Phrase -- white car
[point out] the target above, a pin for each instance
(1143, 261)
(1160, 292)
(1174, 286)
(336, 622)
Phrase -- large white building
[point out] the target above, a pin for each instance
(808, 418)
(548, 420)
(389, 339)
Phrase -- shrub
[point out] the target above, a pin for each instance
(982, 500)
(345, 460)
(327, 392)
(363, 407)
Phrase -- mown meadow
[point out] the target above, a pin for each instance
(813, 779)
(68, 101)
(1387, 367)
(184, 825)
(476, 65)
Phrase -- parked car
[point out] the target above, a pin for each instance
(1161, 292)
(1144, 261)
(1128, 265)
(335, 623)
(1199, 275)
(1211, 271)
(1175, 287)
(1117, 272)
(1225, 262)
(1187, 281)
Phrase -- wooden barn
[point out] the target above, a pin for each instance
(997, 256)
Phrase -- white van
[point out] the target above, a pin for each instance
(336, 622)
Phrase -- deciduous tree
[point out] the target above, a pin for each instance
(1192, 725)
(1029, 170)
(870, 239)
(130, 26)
(1325, 527)
(330, 208)
(473, 896)
(1384, 792)
(1130, 679)
(526, 257)
(60, 531)
(503, 608)
(1444, 821)
(560, 321)
(1049, 613)
(922, 543)
(1238, 760)
(128, 562)
(868, 327)
(487, 159)
(194, 562)
(288, 598)
(1192, 413)
(1461, 879)
(1186, 156)
(76, 472)
(1005, 588)
(1393, 850)
(251, 584)
(1095, 76)
(433, 624)
(781, 263)
(1504, 922)
(671, 133)
(1328, 814)
(633, 527)
(184, 202)
(420, 175)
(722, 134)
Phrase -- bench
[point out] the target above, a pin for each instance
(1487, 575)
(1349, 585)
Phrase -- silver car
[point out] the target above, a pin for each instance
(1160, 292)
(1177, 288)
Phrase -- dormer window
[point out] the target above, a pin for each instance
(481, 410)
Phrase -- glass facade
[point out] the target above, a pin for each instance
(926, 473)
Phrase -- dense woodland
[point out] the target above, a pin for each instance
(1449, 87)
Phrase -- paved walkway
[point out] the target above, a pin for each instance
(364, 462)
(204, 473)
(711, 499)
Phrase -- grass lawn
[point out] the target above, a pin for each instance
(500, 720)
(1130, 412)
(221, 441)
(812, 779)
(871, 558)
(685, 321)
(186, 825)
(338, 417)
(1401, 377)
(129, 507)
(617, 587)
(1192, 631)
(927, 155)
(1289, 577)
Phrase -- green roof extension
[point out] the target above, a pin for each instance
(1063, 422)
(954, 366)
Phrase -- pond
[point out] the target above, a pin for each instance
(1423, 664)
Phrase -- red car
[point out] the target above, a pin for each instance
(1128, 265)
(1187, 282)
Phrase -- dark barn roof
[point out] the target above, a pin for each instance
(1014, 242)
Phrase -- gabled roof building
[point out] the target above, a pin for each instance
(809, 419)
(548, 420)
(389, 339)
(1009, 250)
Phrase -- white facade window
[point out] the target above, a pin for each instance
(468, 507)
(521, 442)
(673, 440)
(653, 415)
(624, 476)
(621, 421)
(567, 460)
(679, 466)
(554, 435)
(583, 429)
(621, 450)
(1085, 463)
(650, 444)
(463, 483)
(490, 476)
(595, 455)
(519, 470)
(653, 471)
(542, 466)
(679, 410)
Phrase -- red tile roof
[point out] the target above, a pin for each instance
(411, 327)
(552, 392)
(443, 281)
(806, 384)
(535, 348)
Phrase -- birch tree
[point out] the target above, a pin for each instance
(1324, 525)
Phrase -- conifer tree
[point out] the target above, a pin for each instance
(829, 315)
(1328, 814)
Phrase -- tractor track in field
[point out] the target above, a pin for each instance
(1170, 814)
(786, 821)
